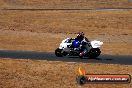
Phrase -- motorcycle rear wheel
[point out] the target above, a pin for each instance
(94, 53)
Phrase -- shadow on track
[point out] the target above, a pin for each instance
(107, 59)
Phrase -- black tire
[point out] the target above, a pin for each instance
(81, 57)
(94, 53)
(81, 80)
(64, 53)
(58, 52)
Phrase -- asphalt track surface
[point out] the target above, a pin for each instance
(50, 56)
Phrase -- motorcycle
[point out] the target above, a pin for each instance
(73, 47)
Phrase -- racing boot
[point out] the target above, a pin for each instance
(82, 54)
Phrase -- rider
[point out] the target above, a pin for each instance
(80, 36)
(82, 39)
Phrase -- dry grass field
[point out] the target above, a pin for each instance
(42, 31)
(66, 4)
(43, 74)
(36, 29)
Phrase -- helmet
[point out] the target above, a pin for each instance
(80, 35)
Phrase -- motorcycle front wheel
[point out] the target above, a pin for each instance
(58, 52)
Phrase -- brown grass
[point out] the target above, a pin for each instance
(67, 4)
(48, 42)
(91, 22)
(41, 74)
(35, 30)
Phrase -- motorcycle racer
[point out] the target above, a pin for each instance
(83, 40)
(80, 36)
